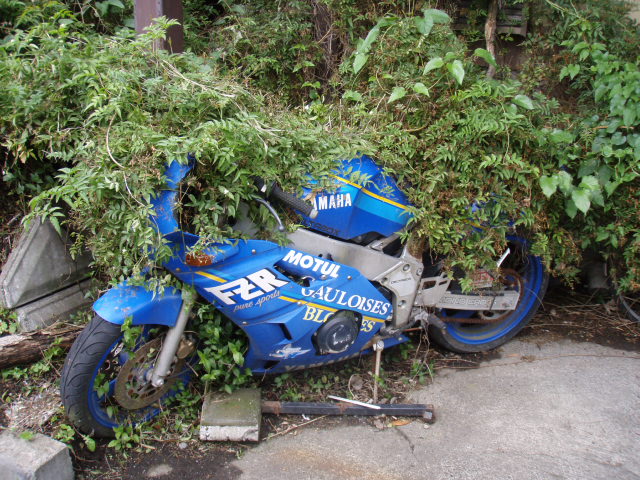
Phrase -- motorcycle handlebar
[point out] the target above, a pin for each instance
(294, 202)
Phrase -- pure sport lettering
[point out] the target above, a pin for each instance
(333, 295)
(312, 263)
(331, 201)
(247, 288)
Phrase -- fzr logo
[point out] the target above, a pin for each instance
(252, 286)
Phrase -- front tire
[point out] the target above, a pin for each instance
(90, 373)
(465, 337)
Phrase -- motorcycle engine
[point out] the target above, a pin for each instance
(338, 333)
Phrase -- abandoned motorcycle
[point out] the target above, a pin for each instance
(343, 284)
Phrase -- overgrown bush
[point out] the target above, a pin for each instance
(114, 111)
(468, 150)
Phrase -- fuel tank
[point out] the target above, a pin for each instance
(363, 200)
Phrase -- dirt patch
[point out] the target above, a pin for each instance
(164, 461)
(582, 317)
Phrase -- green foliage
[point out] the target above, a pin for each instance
(270, 43)
(454, 139)
(114, 111)
(8, 321)
(599, 161)
(221, 351)
(126, 437)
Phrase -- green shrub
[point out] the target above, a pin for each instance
(113, 111)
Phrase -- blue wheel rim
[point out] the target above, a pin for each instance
(97, 405)
(532, 276)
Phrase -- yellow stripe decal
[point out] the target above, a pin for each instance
(212, 277)
(323, 307)
(371, 194)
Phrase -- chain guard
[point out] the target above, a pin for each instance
(492, 316)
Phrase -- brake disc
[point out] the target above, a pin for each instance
(133, 389)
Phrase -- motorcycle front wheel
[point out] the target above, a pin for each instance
(462, 331)
(105, 378)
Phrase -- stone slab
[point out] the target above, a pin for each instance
(52, 308)
(39, 265)
(40, 458)
(231, 417)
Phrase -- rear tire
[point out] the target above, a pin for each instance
(464, 337)
(630, 304)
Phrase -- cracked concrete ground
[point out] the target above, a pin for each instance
(560, 410)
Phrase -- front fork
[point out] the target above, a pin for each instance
(172, 340)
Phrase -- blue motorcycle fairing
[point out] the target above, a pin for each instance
(277, 295)
(164, 219)
(144, 306)
(280, 296)
(354, 209)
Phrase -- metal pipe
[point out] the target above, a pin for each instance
(172, 340)
(312, 408)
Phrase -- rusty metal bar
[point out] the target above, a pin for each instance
(315, 408)
(147, 10)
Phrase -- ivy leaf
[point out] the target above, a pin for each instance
(359, 61)
(352, 95)
(433, 64)
(610, 187)
(565, 182)
(424, 25)
(457, 70)
(421, 88)
(580, 197)
(629, 115)
(549, 185)
(570, 208)
(396, 94)
(560, 136)
(523, 101)
(90, 443)
(438, 16)
(597, 198)
(569, 70)
(589, 183)
(486, 56)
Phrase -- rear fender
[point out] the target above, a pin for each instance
(144, 306)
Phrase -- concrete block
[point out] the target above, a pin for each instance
(231, 417)
(39, 265)
(41, 458)
(57, 306)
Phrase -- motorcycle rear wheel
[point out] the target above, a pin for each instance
(464, 337)
(630, 304)
(89, 382)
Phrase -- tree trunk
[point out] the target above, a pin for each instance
(29, 347)
(325, 35)
(490, 33)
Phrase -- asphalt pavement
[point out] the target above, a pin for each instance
(556, 410)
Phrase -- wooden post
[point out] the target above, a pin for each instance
(490, 33)
(147, 10)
